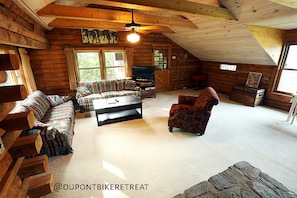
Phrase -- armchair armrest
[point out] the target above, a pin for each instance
(186, 99)
(190, 110)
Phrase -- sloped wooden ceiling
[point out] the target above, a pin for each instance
(231, 31)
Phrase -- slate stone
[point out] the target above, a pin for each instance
(229, 176)
(207, 195)
(263, 190)
(233, 192)
(241, 180)
(246, 192)
(219, 182)
(198, 190)
(273, 181)
(180, 196)
(248, 170)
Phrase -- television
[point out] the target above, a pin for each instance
(143, 73)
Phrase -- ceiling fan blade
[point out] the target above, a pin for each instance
(150, 27)
(142, 31)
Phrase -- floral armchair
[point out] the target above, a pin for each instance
(192, 113)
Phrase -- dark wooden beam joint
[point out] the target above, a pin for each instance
(14, 92)
(9, 62)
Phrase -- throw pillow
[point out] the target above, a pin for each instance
(130, 85)
(55, 100)
(38, 103)
(82, 91)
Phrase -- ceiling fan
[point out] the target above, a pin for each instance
(136, 27)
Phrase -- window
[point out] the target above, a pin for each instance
(100, 64)
(115, 65)
(228, 67)
(288, 73)
(161, 58)
(88, 65)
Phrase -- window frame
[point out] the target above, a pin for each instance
(87, 51)
(281, 67)
(102, 66)
(228, 67)
(125, 62)
(162, 47)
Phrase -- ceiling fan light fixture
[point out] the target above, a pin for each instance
(133, 37)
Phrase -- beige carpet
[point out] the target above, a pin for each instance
(141, 159)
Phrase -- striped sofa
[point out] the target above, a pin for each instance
(54, 117)
(86, 92)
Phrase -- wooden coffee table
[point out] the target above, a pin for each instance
(116, 109)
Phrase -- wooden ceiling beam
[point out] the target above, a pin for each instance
(178, 7)
(97, 14)
(77, 24)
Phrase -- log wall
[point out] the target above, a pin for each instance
(50, 70)
(19, 29)
(222, 81)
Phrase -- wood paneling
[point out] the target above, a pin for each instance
(291, 36)
(18, 29)
(223, 81)
(50, 70)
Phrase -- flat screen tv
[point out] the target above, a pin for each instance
(143, 73)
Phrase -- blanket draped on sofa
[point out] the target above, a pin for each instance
(55, 119)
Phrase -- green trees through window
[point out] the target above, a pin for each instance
(90, 67)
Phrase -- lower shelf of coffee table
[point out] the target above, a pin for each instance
(120, 116)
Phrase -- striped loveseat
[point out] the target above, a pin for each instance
(86, 92)
(54, 117)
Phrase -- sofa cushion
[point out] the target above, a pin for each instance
(120, 84)
(82, 92)
(110, 94)
(64, 110)
(92, 86)
(129, 93)
(55, 100)
(87, 102)
(107, 85)
(38, 103)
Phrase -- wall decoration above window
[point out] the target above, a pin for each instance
(253, 79)
(94, 36)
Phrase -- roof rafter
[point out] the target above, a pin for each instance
(178, 7)
(97, 14)
(77, 24)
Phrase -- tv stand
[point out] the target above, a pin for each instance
(148, 89)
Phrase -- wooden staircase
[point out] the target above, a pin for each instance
(19, 176)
